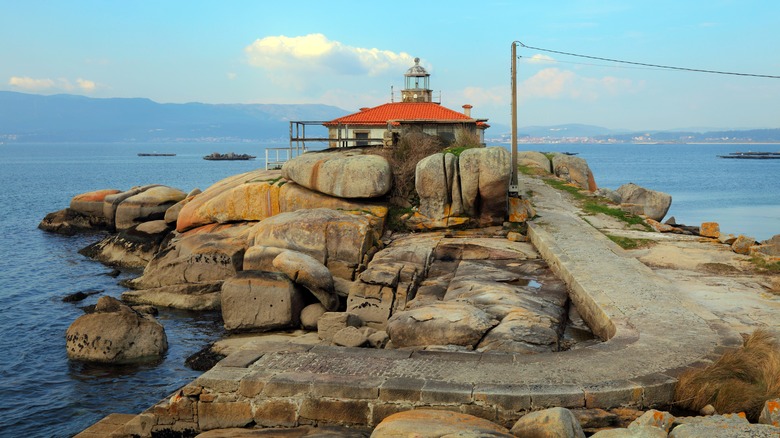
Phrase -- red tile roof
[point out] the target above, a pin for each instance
(403, 111)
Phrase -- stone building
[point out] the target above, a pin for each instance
(384, 124)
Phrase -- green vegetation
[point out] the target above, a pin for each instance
(739, 381)
(456, 150)
(566, 187)
(762, 265)
(601, 206)
(393, 221)
(630, 243)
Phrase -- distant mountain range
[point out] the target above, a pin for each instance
(26, 118)
(69, 118)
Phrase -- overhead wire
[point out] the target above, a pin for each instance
(658, 66)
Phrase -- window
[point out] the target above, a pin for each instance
(361, 138)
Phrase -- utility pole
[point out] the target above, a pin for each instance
(514, 190)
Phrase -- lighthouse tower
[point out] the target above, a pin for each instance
(416, 84)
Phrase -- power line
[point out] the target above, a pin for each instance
(668, 67)
(558, 61)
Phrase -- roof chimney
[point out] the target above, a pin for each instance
(467, 110)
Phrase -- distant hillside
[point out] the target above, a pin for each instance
(69, 118)
(734, 136)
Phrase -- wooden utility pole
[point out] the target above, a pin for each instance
(513, 184)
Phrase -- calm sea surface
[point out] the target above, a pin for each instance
(43, 394)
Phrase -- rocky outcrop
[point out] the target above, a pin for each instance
(250, 196)
(70, 222)
(115, 333)
(552, 422)
(653, 204)
(344, 173)
(145, 206)
(441, 323)
(535, 160)
(455, 190)
(309, 273)
(209, 253)
(342, 241)
(574, 170)
(131, 248)
(91, 203)
(111, 202)
(260, 301)
(427, 423)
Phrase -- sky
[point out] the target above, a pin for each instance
(350, 53)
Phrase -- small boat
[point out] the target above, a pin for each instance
(753, 155)
(230, 156)
(154, 154)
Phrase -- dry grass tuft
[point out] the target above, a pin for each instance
(740, 381)
(403, 158)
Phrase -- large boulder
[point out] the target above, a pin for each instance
(115, 333)
(130, 248)
(200, 256)
(197, 296)
(654, 204)
(293, 197)
(69, 222)
(111, 202)
(260, 301)
(250, 196)
(440, 323)
(91, 203)
(148, 205)
(552, 422)
(523, 331)
(535, 160)
(436, 177)
(306, 271)
(342, 241)
(484, 183)
(345, 173)
(574, 170)
(428, 423)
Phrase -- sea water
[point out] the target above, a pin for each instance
(43, 394)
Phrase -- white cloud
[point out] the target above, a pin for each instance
(315, 53)
(86, 85)
(231, 76)
(478, 96)
(60, 84)
(30, 84)
(554, 83)
(539, 59)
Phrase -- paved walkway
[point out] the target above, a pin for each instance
(651, 333)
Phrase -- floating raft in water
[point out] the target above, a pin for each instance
(753, 155)
(155, 154)
(216, 156)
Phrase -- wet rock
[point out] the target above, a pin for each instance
(426, 423)
(204, 359)
(553, 422)
(653, 204)
(443, 323)
(115, 333)
(70, 222)
(260, 301)
(80, 295)
(130, 248)
(342, 173)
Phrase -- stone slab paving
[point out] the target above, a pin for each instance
(651, 334)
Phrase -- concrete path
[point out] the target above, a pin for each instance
(652, 333)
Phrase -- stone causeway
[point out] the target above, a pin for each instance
(651, 334)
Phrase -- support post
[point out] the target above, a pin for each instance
(514, 190)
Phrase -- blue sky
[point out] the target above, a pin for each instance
(349, 54)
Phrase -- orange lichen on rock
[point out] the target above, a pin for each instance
(710, 229)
